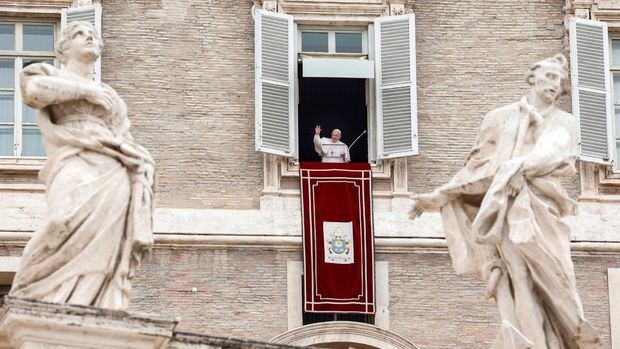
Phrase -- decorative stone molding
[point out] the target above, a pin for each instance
(399, 9)
(78, 3)
(599, 183)
(270, 5)
(281, 184)
(337, 11)
(26, 324)
(344, 332)
(602, 10)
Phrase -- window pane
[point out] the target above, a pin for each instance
(38, 38)
(617, 135)
(7, 36)
(314, 42)
(616, 88)
(617, 154)
(349, 42)
(32, 145)
(6, 108)
(29, 115)
(6, 140)
(7, 73)
(615, 53)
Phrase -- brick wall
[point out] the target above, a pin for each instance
(242, 293)
(471, 58)
(186, 71)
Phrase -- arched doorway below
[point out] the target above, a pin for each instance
(343, 335)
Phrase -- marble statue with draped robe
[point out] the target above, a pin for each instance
(502, 215)
(98, 223)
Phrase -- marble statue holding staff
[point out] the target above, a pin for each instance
(98, 222)
(502, 215)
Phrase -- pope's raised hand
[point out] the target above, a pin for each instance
(317, 129)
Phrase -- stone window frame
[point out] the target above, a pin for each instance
(370, 99)
(24, 163)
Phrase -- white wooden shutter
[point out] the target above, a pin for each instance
(275, 88)
(88, 13)
(395, 77)
(591, 89)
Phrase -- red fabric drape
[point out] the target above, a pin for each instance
(338, 237)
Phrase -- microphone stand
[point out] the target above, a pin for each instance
(356, 139)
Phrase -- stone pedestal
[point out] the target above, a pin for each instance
(26, 324)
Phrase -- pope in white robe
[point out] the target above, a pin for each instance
(331, 149)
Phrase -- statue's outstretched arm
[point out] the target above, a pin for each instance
(40, 89)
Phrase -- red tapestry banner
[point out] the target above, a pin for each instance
(338, 237)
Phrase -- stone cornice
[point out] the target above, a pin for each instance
(339, 12)
(294, 243)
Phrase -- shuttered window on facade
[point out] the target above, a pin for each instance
(275, 67)
(88, 13)
(395, 74)
(591, 89)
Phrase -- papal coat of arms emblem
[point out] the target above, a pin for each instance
(338, 242)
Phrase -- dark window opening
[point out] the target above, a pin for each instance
(4, 290)
(313, 318)
(332, 103)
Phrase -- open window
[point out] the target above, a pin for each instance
(333, 72)
(355, 79)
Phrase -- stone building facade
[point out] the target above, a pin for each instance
(228, 249)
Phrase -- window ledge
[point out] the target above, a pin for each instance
(303, 55)
(21, 164)
(290, 169)
(609, 177)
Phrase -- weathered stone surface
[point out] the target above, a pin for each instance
(184, 340)
(502, 214)
(27, 324)
(98, 223)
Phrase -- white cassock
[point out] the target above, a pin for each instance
(330, 151)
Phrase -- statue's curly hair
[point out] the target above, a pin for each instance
(558, 62)
(65, 37)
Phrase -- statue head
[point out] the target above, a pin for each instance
(336, 135)
(549, 78)
(79, 40)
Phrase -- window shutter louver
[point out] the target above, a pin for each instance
(396, 86)
(274, 64)
(89, 13)
(591, 89)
